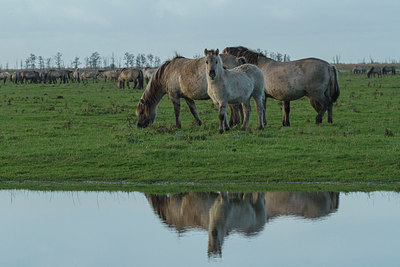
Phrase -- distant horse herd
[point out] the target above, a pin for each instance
(70, 76)
(231, 79)
(374, 70)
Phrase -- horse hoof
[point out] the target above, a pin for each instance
(221, 131)
(199, 123)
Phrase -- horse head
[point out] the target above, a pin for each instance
(145, 113)
(213, 63)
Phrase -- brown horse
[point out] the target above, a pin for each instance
(287, 81)
(130, 75)
(179, 78)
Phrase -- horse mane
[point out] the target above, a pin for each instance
(150, 95)
(241, 51)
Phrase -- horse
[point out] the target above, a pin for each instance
(4, 76)
(287, 81)
(358, 70)
(16, 77)
(179, 78)
(76, 75)
(110, 75)
(130, 75)
(147, 73)
(31, 76)
(89, 74)
(374, 70)
(235, 86)
(389, 69)
(52, 75)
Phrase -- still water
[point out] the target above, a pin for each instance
(198, 229)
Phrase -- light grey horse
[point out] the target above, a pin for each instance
(287, 81)
(235, 86)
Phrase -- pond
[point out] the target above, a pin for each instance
(196, 229)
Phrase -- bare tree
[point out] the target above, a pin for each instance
(58, 60)
(336, 59)
(32, 59)
(112, 65)
(129, 59)
(157, 61)
(150, 59)
(41, 62)
(95, 60)
(48, 63)
(27, 63)
(143, 60)
(76, 62)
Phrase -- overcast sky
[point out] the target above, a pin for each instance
(355, 30)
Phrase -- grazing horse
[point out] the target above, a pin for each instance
(4, 76)
(130, 75)
(111, 75)
(235, 86)
(287, 81)
(358, 70)
(89, 74)
(389, 69)
(374, 70)
(31, 76)
(179, 78)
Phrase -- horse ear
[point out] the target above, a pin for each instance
(205, 51)
(216, 52)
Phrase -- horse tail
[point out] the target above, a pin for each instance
(334, 85)
(140, 78)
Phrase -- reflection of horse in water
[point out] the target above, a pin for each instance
(183, 211)
(221, 214)
(307, 205)
(244, 214)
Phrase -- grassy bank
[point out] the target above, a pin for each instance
(76, 132)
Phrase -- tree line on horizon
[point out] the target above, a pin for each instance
(94, 61)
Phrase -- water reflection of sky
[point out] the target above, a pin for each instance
(122, 229)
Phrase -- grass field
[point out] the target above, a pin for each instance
(87, 133)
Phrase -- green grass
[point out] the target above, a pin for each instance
(74, 133)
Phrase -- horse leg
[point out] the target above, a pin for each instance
(235, 119)
(320, 106)
(260, 112)
(222, 117)
(177, 111)
(246, 110)
(193, 109)
(286, 111)
(227, 127)
(265, 110)
(330, 107)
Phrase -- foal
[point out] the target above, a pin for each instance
(235, 86)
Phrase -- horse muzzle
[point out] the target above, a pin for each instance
(212, 74)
